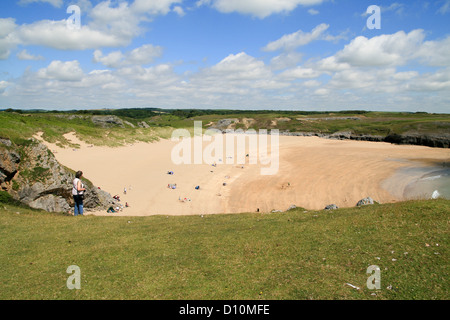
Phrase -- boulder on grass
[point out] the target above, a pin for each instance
(365, 201)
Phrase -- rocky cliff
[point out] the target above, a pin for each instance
(429, 140)
(32, 175)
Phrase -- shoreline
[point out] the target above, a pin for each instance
(313, 173)
(421, 179)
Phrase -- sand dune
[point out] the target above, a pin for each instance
(313, 172)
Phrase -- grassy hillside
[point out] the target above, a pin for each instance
(22, 125)
(291, 255)
(18, 127)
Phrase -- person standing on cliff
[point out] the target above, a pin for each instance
(78, 193)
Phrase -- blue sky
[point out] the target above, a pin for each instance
(236, 54)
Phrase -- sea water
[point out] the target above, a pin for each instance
(435, 183)
(422, 182)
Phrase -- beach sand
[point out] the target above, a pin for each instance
(313, 172)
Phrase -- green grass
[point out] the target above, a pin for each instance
(291, 255)
(21, 126)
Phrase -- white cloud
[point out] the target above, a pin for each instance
(394, 49)
(112, 60)
(351, 78)
(236, 76)
(342, 36)
(296, 39)
(7, 39)
(3, 86)
(257, 8)
(435, 53)
(330, 65)
(85, 5)
(24, 55)
(121, 21)
(322, 92)
(138, 56)
(55, 34)
(160, 76)
(438, 81)
(144, 54)
(62, 71)
(179, 10)
(285, 60)
(153, 7)
(109, 25)
(239, 67)
(313, 12)
(445, 8)
(398, 8)
(299, 73)
(7, 26)
(55, 3)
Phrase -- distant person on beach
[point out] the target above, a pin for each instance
(78, 193)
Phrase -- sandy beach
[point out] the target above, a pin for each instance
(313, 172)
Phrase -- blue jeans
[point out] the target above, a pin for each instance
(78, 210)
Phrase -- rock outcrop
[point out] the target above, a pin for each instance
(331, 207)
(32, 175)
(9, 165)
(429, 140)
(365, 202)
(143, 124)
(108, 121)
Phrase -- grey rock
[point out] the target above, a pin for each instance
(331, 207)
(6, 142)
(429, 140)
(9, 164)
(224, 123)
(45, 184)
(50, 203)
(328, 119)
(129, 124)
(341, 135)
(143, 124)
(108, 121)
(365, 201)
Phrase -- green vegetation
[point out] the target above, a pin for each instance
(36, 174)
(6, 198)
(19, 125)
(291, 255)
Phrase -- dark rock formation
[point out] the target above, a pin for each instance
(143, 124)
(9, 165)
(431, 140)
(108, 121)
(331, 207)
(32, 175)
(365, 201)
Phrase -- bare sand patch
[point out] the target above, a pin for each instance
(313, 172)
